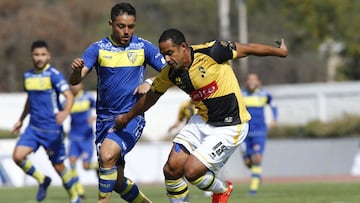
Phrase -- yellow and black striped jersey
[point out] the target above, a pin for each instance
(210, 82)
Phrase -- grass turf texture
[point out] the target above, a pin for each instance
(340, 192)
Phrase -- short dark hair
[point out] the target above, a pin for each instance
(38, 44)
(176, 36)
(122, 8)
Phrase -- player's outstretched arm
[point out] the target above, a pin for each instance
(18, 124)
(61, 115)
(257, 49)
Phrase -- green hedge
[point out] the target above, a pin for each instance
(6, 134)
(348, 126)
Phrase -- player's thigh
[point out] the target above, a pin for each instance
(20, 153)
(28, 139)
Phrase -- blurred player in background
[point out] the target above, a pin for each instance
(43, 85)
(256, 99)
(81, 134)
(206, 142)
(120, 61)
(186, 110)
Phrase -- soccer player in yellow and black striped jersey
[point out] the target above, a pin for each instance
(206, 142)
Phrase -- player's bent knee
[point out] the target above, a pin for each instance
(171, 172)
(18, 158)
(107, 160)
(59, 167)
(257, 160)
(192, 175)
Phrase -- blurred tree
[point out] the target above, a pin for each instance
(70, 26)
(314, 23)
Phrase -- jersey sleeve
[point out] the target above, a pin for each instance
(223, 51)
(273, 106)
(153, 57)
(162, 82)
(59, 82)
(90, 56)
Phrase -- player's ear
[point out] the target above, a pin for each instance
(110, 22)
(184, 45)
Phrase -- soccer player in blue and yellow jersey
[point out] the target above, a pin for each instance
(81, 134)
(256, 99)
(43, 85)
(120, 62)
(207, 141)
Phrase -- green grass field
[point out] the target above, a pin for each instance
(342, 192)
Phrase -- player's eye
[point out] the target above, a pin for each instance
(169, 53)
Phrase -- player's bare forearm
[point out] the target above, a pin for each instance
(61, 116)
(69, 100)
(25, 111)
(261, 49)
(79, 71)
(75, 77)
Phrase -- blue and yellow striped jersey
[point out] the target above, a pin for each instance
(43, 89)
(81, 111)
(120, 69)
(256, 102)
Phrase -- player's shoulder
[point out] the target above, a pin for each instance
(218, 50)
(205, 45)
(140, 39)
(53, 70)
(214, 44)
(264, 90)
(101, 43)
(140, 43)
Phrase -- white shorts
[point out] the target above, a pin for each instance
(212, 145)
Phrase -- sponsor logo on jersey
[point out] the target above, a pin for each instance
(204, 92)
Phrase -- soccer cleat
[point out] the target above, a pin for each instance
(42, 189)
(82, 196)
(223, 197)
(78, 200)
(252, 192)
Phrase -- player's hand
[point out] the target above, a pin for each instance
(120, 122)
(142, 89)
(60, 117)
(282, 46)
(77, 64)
(273, 124)
(17, 127)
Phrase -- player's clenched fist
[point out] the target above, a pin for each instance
(77, 64)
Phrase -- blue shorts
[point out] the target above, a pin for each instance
(125, 138)
(82, 148)
(254, 145)
(51, 140)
